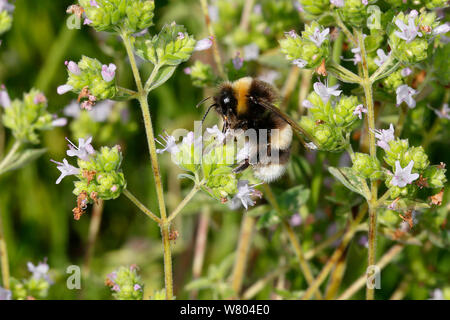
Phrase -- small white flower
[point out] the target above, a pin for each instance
(109, 72)
(102, 111)
(437, 294)
(6, 6)
(203, 44)
(319, 37)
(295, 220)
(405, 72)
(307, 104)
(66, 169)
(299, 63)
(243, 153)
(59, 122)
(217, 133)
(251, 52)
(72, 110)
(83, 151)
(5, 101)
(291, 34)
(5, 294)
(443, 28)
(359, 110)
(337, 3)
(73, 67)
(298, 6)
(408, 32)
(213, 12)
(169, 144)
(325, 93)
(40, 271)
(269, 76)
(403, 176)
(237, 61)
(64, 89)
(311, 146)
(365, 2)
(94, 4)
(382, 58)
(444, 112)
(404, 94)
(384, 137)
(243, 196)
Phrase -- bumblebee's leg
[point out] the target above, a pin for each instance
(242, 166)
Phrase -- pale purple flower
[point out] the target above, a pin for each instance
(405, 94)
(382, 57)
(357, 55)
(72, 109)
(40, 99)
(311, 146)
(66, 169)
(187, 70)
(269, 76)
(87, 22)
(257, 9)
(251, 52)
(325, 93)
(109, 72)
(243, 196)
(319, 37)
(6, 6)
(403, 176)
(115, 288)
(203, 44)
(444, 112)
(237, 61)
(436, 294)
(295, 220)
(84, 149)
(94, 4)
(137, 287)
(307, 104)
(410, 31)
(102, 111)
(298, 6)
(443, 28)
(300, 63)
(114, 188)
(363, 241)
(213, 12)
(406, 72)
(5, 100)
(59, 122)
(64, 89)
(73, 67)
(169, 144)
(180, 36)
(359, 110)
(217, 133)
(291, 34)
(365, 2)
(5, 294)
(337, 3)
(40, 271)
(385, 136)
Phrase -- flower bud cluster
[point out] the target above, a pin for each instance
(6, 18)
(35, 287)
(126, 283)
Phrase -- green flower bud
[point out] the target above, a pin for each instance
(37, 288)
(412, 52)
(18, 289)
(393, 81)
(5, 21)
(202, 74)
(159, 295)
(90, 73)
(109, 159)
(418, 155)
(435, 176)
(129, 16)
(308, 124)
(309, 50)
(433, 4)
(222, 185)
(314, 8)
(394, 191)
(326, 137)
(171, 46)
(343, 111)
(126, 284)
(25, 118)
(354, 13)
(367, 166)
(318, 109)
(397, 150)
(109, 185)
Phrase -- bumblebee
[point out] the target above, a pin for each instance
(246, 104)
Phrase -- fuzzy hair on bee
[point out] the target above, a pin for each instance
(248, 103)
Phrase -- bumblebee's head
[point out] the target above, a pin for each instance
(225, 101)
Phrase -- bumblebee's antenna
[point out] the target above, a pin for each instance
(207, 111)
(203, 101)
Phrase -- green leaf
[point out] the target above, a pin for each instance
(268, 219)
(292, 199)
(163, 74)
(351, 180)
(186, 176)
(22, 158)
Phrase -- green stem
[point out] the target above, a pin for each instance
(142, 97)
(367, 86)
(10, 155)
(344, 28)
(240, 261)
(4, 256)
(94, 228)
(143, 208)
(183, 203)
(337, 52)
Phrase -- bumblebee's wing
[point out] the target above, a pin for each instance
(269, 106)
